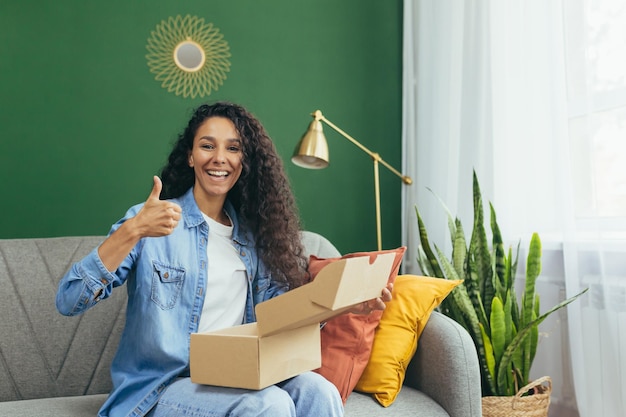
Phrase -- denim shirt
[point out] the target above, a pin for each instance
(166, 280)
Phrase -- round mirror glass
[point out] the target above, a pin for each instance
(189, 56)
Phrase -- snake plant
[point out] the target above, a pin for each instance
(503, 324)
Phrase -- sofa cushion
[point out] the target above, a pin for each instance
(396, 338)
(410, 402)
(358, 405)
(347, 339)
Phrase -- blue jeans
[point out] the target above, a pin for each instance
(308, 394)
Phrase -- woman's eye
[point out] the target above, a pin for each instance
(233, 148)
(206, 146)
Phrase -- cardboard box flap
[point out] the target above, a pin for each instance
(338, 287)
(360, 281)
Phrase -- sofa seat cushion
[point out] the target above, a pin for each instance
(79, 406)
(409, 402)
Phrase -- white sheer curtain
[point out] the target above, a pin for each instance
(532, 95)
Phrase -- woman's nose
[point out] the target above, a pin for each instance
(220, 156)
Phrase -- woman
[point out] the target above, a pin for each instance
(224, 239)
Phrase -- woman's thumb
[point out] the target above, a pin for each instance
(156, 188)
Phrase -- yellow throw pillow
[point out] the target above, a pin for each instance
(395, 340)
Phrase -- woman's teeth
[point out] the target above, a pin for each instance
(217, 173)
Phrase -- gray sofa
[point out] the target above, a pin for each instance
(57, 366)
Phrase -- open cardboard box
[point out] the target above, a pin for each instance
(285, 340)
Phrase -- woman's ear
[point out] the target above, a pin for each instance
(190, 160)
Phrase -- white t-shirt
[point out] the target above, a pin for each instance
(225, 297)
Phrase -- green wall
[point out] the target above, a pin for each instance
(84, 125)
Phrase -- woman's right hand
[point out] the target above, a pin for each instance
(156, 217)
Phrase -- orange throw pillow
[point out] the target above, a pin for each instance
(347, 339)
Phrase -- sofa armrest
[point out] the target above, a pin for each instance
(445, 367)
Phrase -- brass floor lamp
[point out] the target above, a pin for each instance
(312, 152)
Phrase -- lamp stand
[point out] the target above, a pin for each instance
(311, 154)
(377, 192)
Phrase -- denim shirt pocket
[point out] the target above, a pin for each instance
(167, 282)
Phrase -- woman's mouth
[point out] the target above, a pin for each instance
(217, 173)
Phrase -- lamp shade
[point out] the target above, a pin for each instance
(312, 150)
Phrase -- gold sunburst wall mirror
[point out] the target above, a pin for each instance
(188, 56)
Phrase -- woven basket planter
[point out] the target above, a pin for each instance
(534, 405)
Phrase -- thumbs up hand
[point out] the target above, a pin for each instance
(157, 217)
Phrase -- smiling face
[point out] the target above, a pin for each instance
(216, 158)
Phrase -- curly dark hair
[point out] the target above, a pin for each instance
(262, 196)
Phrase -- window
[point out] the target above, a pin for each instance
(595, 49)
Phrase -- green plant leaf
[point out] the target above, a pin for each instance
(533, 269)
(513, 271)
(480, 256)
(534, 338)
(498, 328)
(435, 269)
(522, 334)
(451, 220)
(459, 249)
(489, 352)
(500, 266)
(517, 363)
(508, 321)
(424, 263)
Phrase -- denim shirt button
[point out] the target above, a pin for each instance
(243, 253)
